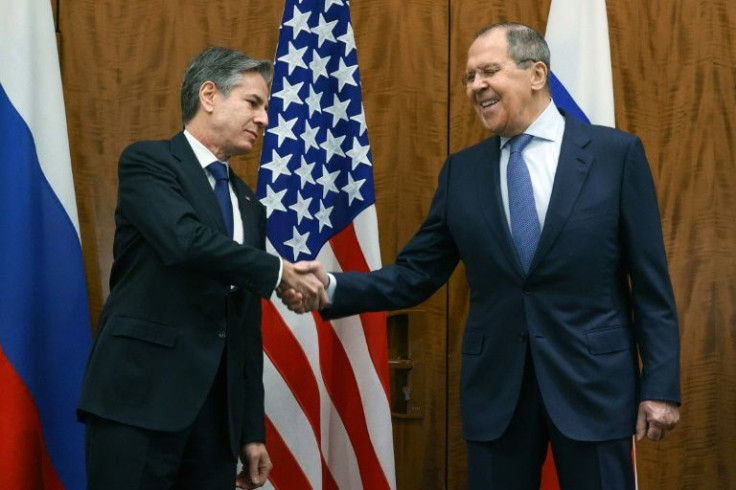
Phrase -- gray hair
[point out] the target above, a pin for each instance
(524, 43)
(221, 66)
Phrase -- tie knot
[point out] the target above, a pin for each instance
(519, 142)
(218, 170)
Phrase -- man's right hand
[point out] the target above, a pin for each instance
(295, 298)
(302, 286)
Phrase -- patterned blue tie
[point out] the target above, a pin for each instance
(222, 192)
(525, 228)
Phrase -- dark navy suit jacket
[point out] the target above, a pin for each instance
(181, 293)
(597, 295)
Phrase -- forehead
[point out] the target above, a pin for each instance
(252, 82)
(491, 47)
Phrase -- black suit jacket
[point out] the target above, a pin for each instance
(597, 294)
(181, 294)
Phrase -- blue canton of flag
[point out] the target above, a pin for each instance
(316, 170)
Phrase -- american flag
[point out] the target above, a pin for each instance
(328, 419)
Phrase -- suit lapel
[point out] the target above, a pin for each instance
(488, 192)
(572, 170)
(204, 200)
(249, 211)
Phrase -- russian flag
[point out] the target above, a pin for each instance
(581, 83)
(44, 316)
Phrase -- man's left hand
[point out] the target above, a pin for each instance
(256, 466)
(655, 418)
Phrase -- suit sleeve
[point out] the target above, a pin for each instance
(152, 200)
(653, 304)
(421, 267)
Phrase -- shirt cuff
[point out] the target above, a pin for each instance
(281, 273)
(330, 289)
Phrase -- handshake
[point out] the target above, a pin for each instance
(302, 286)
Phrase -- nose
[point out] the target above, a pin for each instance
(261, 118)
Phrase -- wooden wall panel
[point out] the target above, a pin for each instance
(402, 54)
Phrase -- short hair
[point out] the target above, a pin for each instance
(524, 43)
(221, 66)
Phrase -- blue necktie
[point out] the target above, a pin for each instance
(222, 193)
(525, 228)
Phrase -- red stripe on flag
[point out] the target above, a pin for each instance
(291, 362)
(24, 461)
(549, 473)
(339, 379)
(347, 250)
(287, 473)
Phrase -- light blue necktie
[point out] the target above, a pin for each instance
(222, 192)
(525, 228)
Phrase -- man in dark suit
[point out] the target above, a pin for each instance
(173, 391)
(558, 226)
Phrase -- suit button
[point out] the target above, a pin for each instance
(527, 291)
(222, 334)
(523, 337)
(233, 288)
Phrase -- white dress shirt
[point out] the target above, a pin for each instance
(205, 157)
(541, 156)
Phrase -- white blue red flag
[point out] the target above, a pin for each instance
(44, 317)
(581, 82)
(581, 79)
(328, 415)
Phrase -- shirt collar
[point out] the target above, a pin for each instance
(203, 154)
(546, 126)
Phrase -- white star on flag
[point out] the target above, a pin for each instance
(318, 65)
(273, 201)
(305, 173)
(344, 75)
(314, 101)
(327, 181)
(278, 165)
(349, 40)
(309, 136)
(338, 109)
(301, 208)
(332, 146)
(294, 58)
(289, 94)
(359, 153)
(299, 22)
(324, 31)
(283, 129)
(323, 215)
(298, 243)
(353, 189)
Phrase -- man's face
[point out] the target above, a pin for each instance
(501, 91)
(238, 119)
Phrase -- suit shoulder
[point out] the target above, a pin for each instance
(477, 150)
(147, 146)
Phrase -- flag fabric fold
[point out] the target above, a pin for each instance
(44, 317)
(581, 82)
(328, 415)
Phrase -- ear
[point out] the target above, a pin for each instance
(207, 94)
(539, 74)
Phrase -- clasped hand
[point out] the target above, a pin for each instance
(302, 286)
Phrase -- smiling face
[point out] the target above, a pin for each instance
(506, 95)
